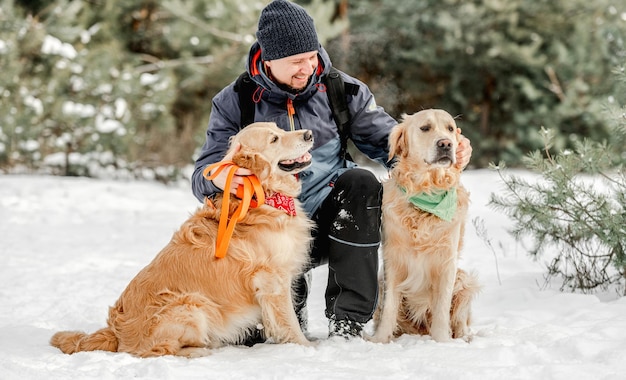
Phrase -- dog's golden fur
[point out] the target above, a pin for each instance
(187, 301)
(424, 291)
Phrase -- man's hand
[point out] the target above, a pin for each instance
(220, 180)
(463, 151)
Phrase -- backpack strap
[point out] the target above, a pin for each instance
(245, 87)
(337, 90)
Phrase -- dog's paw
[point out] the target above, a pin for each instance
(306, 343)
(377, 338)
(468, 336)
(311, 343)
(194, 352)
(441, 336)
(301, 339)
(440, 330)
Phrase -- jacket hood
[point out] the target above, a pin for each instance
(254, 67)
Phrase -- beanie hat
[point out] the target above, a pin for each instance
(285, 29)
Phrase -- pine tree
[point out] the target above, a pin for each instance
(76, 100)
(114, 84)
(576, 208)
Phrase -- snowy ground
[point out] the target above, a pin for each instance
(69, 246)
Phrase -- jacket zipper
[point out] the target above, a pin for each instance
(290, 112)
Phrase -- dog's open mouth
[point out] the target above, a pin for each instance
(295, 164)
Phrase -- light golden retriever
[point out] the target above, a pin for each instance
(424, 291)
(187, 301)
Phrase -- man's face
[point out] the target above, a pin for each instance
(295, 70)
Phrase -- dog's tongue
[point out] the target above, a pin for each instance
(304, 158)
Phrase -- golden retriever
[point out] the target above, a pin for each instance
(187, 301)
(424, 291)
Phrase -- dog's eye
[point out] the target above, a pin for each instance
(274, 139)
(425, 128)
(450, 128)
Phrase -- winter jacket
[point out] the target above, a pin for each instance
(369, 127)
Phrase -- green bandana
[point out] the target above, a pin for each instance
(441, 203)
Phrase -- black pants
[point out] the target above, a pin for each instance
(347, 238)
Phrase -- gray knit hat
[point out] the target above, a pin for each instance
(285, 29)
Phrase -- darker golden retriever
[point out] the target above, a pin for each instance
(424, 211)
(187, 300)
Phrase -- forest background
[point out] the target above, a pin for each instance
(123, 88)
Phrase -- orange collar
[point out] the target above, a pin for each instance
(251, 188)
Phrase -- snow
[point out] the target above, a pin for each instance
(69, 246)
(104, 125)
(78, 109)
(53, 46)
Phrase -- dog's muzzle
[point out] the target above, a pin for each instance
(302, 162)
(444, 152)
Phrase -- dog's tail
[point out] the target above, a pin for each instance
(75, 341)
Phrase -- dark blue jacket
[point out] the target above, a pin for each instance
(369, 127)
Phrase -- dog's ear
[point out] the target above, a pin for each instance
(253, 161)
(397, 141)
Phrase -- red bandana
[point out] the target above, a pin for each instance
(282, 202)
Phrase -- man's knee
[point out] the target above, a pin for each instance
(359, 196)
(360, 182)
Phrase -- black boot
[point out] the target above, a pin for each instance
(254, 336)
(345, 328)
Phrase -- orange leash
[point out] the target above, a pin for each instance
(251, 187)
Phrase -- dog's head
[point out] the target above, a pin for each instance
(426, 138)
(424, 145)
(274, 155)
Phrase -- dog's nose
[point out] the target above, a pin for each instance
(444, 144)
(308, 135)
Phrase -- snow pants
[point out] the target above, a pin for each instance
(347, 238)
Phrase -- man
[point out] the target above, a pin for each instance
(287, 64)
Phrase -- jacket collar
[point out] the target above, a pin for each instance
(274, 92)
